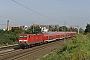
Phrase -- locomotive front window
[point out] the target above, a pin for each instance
(46, 36)
(22, 36)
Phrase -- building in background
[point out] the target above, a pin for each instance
(8, 25)
(44, 28)
(11, 27)
(24, 27)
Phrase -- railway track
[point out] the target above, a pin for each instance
(30, 52)
(8, 48)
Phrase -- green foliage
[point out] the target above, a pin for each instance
(78, 49)
(60, 29)
(28, 31)
(35, 29)
(63, 28)
(11, 37)
(87, 28)
(81, 30)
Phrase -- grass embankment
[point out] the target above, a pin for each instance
(77, 49)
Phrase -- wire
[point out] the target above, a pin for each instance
(8, 17)
(11, 18)
(2, 24)
(34, 11)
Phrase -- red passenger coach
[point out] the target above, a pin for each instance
(49, 36)
(45, 37)
(58, 36)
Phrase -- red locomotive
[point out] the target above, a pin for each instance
(26, 40)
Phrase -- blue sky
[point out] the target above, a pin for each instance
(73, 12)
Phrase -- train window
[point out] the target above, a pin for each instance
(25, 36)
(46, 36)
(57, 35)
(22, 36)
(29, 36)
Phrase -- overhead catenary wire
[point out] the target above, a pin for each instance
(15, 19)
(8, 17)
(2, 24)
(35, 11)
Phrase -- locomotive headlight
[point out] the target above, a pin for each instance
(20, 40)
(25, 40)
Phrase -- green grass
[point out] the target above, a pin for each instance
(77, 49)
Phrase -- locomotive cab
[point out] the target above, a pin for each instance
(23, 40)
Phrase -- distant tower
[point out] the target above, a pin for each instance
(8, 25)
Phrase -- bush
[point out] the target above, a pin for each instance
(77, 49)
(9, 37)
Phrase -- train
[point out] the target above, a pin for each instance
(27, 40)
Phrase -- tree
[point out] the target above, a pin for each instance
(35, 29)
(87, 28)
(81, 30)
(50, 28)
(28, 31)
(64, 28)
(60, 28)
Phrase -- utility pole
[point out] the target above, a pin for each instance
(64, 31)
(78, 29)
(33, 27)
(64, 26)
